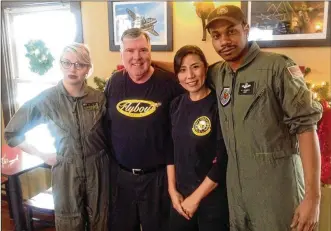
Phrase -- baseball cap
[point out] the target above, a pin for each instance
(230, 13)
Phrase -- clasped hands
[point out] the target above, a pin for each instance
(185, 207)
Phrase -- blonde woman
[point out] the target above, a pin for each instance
(73, 113)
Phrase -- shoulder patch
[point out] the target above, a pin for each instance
(295, 71)
(225, 96)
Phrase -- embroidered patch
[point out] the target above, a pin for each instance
(201, 126)
(295, 71)
(222, 10)
(246, 88)
(137, 108)
(225, 96)
(91, 106)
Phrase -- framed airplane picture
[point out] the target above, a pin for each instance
(289, 23)
(155, 18)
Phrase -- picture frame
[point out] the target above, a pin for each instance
(153, 17)
(289, 23)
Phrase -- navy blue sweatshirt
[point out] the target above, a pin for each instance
(138, 123)
(199, 149)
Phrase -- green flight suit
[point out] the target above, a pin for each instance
(262, 107)
(80, 178)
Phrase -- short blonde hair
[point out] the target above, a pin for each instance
(82, 52)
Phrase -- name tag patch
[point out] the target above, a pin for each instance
(246, 88)
(91, 106)
(225, 96)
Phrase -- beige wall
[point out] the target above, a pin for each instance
(95, 26)
(186, 30)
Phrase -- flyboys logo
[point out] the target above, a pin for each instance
(201, 126)
(137, 108)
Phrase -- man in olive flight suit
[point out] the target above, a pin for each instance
(267, 116)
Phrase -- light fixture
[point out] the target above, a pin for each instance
(202, 10)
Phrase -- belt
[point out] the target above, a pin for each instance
(141, 171)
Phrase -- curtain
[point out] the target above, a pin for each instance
(7, 85)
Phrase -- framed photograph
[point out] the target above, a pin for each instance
(289, 23)
(153, 17)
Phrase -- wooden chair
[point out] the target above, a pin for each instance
(43, 205)
(5, 194)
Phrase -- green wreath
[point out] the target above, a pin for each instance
(41, 60)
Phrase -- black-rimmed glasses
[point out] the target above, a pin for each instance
(67, 65)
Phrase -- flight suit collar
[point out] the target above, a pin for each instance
(253, 51)
(60, 87)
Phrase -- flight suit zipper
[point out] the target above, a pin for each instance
(78, 118)
(234, 77)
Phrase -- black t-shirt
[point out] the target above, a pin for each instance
(199, 149)
(138, 122)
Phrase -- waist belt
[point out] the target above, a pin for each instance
(141, 171)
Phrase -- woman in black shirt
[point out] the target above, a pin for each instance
(196, 175)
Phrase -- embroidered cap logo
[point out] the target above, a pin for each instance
(222, 10)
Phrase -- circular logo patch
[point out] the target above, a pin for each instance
(201, 126)
(222, 10)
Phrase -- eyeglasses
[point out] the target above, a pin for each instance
(78, 66)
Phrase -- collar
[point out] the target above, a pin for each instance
(60, 87)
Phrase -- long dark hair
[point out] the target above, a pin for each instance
(187, 50)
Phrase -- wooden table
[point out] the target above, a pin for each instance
(15, 162)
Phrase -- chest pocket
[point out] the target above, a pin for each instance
(93, 112)
(257, 109)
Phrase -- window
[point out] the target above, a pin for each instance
(56, 24)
